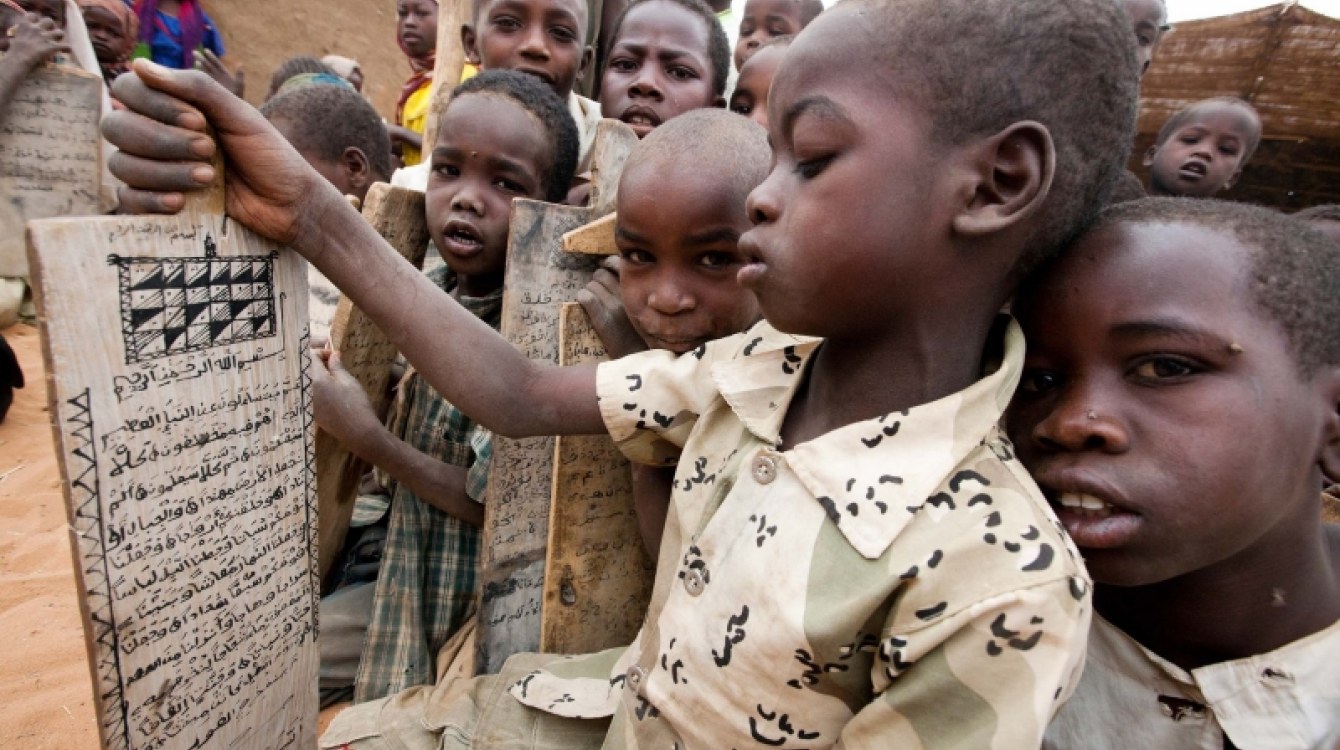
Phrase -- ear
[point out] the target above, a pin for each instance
(468, 41)
(1148, 161)
(1011, 176)
(356, 168)
(1329, 456)
(588, 54)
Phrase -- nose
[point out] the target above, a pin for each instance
(669, 296)
(467, 200)
(533, 46)
(764, 202)
(646, 85)
(1079, 421)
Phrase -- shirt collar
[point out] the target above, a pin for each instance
(872, 476)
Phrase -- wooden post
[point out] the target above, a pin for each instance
(398, 216)
(451, 16)
(50, 155)
(176, 354)
(540, 278)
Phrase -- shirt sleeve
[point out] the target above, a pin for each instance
(212, 41)
(989, 676)
(651, 401)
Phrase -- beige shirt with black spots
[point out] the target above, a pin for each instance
(899, 582)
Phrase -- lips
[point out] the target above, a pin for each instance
(461, 239)
(751, 272)
(1093, 513)
(641, 119)
(1194, 170)
(676, 344)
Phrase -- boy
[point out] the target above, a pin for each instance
(1179, 409)
(505, 135)
(666, 57)
(1203, 149)
(342, 137)
(857, 557)
(416, 33)
(750, 97)
(1325, 218)
(764, 20)
(1150, 21)
(112, 29)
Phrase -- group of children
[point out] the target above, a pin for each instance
(884, 513)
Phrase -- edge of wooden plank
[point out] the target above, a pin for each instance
(596, 238)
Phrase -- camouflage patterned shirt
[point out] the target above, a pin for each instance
(898, 582)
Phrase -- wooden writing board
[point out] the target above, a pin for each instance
(540, 278)
(398, 216)
(177, 376)
(50, 155)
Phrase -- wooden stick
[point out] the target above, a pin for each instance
(451, 16)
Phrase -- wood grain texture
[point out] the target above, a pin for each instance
(614, 141)
(451, 15)
(177, 377)
(398, 216)
(596, 238)
(599, 575)
(50, 154)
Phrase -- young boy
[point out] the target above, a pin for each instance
(857, 556)
(765, 20)
(1203, 149)
(1179, 409)
(504, 136)
(666, 57)
(1150, 21)
(1324, 218)
(416, 33)
(750, 97)
(113, 29)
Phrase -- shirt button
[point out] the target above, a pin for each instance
(633, 679)
(765, 468)
(694, 583)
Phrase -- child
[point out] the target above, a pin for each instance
(666, 57)
(416, 33)
(1150, 21)
(346, 68)
(302, 65)
(750, 97)
(113, 29)
(1324, 218)
(504, 136)
(857, 557)
(172, 30)
(681, 211)
(1179, 409)
(764, 20)
(1203, 149)
(342, 137)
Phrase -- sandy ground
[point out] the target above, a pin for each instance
(46, 698)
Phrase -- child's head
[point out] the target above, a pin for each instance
(921, 155)
(1150, 21)
(764, 20)
(681, 213)
(545, 38)
(504, 135)
(750, 97)
(337, 131)
(666, 57)
(1324, 218)
(346, 68)
(416, 27)
(1202, 149)
(53, 9)
(294, 67)
(1179, 397)
(112, 27)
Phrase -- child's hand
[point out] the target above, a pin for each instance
(214, 68)
(164, 151)
(339, 404)
(36, 40)
(603, 301)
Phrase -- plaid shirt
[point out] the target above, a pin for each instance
(428, 575)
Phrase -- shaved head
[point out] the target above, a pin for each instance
(710, 144)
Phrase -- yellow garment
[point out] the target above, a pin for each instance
(415, 117)
(468, 71)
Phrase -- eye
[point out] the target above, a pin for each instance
(563, 34)
(681, 73)
(811, 168)
(622, 64)
(447, 170)
(1164, 368)
(507, 23)
(1144, 40)
(637, 256)
(1228, 150)
(511, 186)
(718, 260)
(743, 108)
(1038, 381)
(1190, 139)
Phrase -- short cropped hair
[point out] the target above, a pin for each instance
(1128, 188)
(810, 10)
(1294, 269)
(540, 101)
(328, 119)
(979, 66)
(1327, 212)
(718, 45)
(296, 66)
(1187, 115)
(716, 143)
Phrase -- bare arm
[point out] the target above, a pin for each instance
(273, 191)
(652, 486)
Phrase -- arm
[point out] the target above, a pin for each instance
(342, 409)
(272, 190)
(35, 40)
(403, 136)
(652, 487)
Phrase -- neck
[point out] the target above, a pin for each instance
(1284, 588)
(854, 379)
(479, 285)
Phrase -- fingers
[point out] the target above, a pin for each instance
(163, 177)
(139, 202)
(608, 281)
(133, 92)
(336, 366)
(318, 371)
(611, 263)
(224, 111)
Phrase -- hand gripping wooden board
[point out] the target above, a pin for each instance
(177, 376)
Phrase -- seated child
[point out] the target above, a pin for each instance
(853, 555)
(1178, 408)
(681, 212)
(113, 29)
(504, 136)
(666, 57)
(764, 20)
(342, 137)
(416, 33)
(1203, 149)
(1325, 218)
(1150, 19)
(750, 97)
